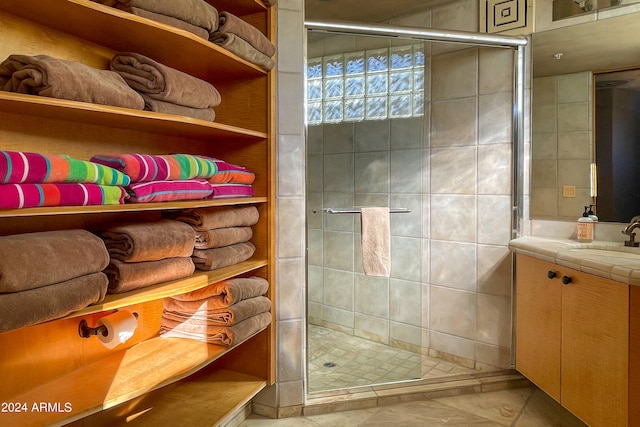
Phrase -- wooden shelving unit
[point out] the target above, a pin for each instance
(78, 380)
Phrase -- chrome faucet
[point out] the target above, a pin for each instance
(628, 230)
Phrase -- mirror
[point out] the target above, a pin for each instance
(567, 62)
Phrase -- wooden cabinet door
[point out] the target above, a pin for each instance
(595, 349)
(538, 323)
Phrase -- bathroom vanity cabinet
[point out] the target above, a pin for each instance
(577, 338)
(52, 376)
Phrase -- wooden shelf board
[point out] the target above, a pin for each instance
(118, 378)
(125, 32)
(163, 290)
(123, 118)
(128, 207)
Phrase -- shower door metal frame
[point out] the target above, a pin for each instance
(517, 43)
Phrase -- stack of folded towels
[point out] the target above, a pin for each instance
(162, 178)
(63, 79)
(224, 313)
(202, 19)
(222, 234)
(29, 180)
(231, 181)
(165, 89)
(48, 275)
(244, 40)
(147, 253)
(195, 16)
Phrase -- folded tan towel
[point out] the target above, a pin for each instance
(227, 292)
(376, 246)
(199, 312)
(158, 81)
(151, 104)
(149, 241)
(34, 260)
(58, 78)
(127, 276)
(243, 49)
(219, 217)
(34, 306)
(196, 12)
(220, 335)
(212, 259)
(169, 20)
(219, 237)
(229, 23)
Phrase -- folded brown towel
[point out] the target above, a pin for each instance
(199, 312)
(227, 292)
(164, 83)
(34, 306)
(212, 259)
(169, 20)
(58, 78)
(219, 217)
(149, 241)
(219, 237)
(127, 276)
(151, 104)
(229, 23)
(196, 12)
(34, 260)
(243, 49)
(220, 335)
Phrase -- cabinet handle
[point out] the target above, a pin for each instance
(566, 280)
(551, 274)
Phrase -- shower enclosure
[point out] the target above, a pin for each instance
(429, 124)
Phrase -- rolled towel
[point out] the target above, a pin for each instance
(18, 196)
(219, 237)
(156, 106)
(149, 241)
(196, 12)
(227, 292)
(218, 217)
(154, 167)
(228, 173)
(58, 78)
(169, 20)
(18, 167)
(158, 81)
(127, 276)
(229, 23)
(34, 260)
(220, 335)
(243, 49)
(212, 259)
(51, 302)
(199, 312)
(164, 191)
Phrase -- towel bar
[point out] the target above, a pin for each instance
(357, 210)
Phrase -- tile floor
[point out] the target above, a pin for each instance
(338, 360)
(519, 407)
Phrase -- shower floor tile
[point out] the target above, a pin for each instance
(338, 360)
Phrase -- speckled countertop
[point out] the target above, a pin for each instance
(619, 262)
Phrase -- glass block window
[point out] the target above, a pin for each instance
(375, 84)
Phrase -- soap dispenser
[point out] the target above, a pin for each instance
(592, 215)
(585, 227)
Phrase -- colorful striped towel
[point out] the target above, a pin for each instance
(228, 173)
(223, 191)
(164, 191)
(17, 196)
(19, 167)
(166, 167)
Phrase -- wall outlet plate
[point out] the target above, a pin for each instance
(568, 191)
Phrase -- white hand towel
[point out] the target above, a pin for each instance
(376, 246)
